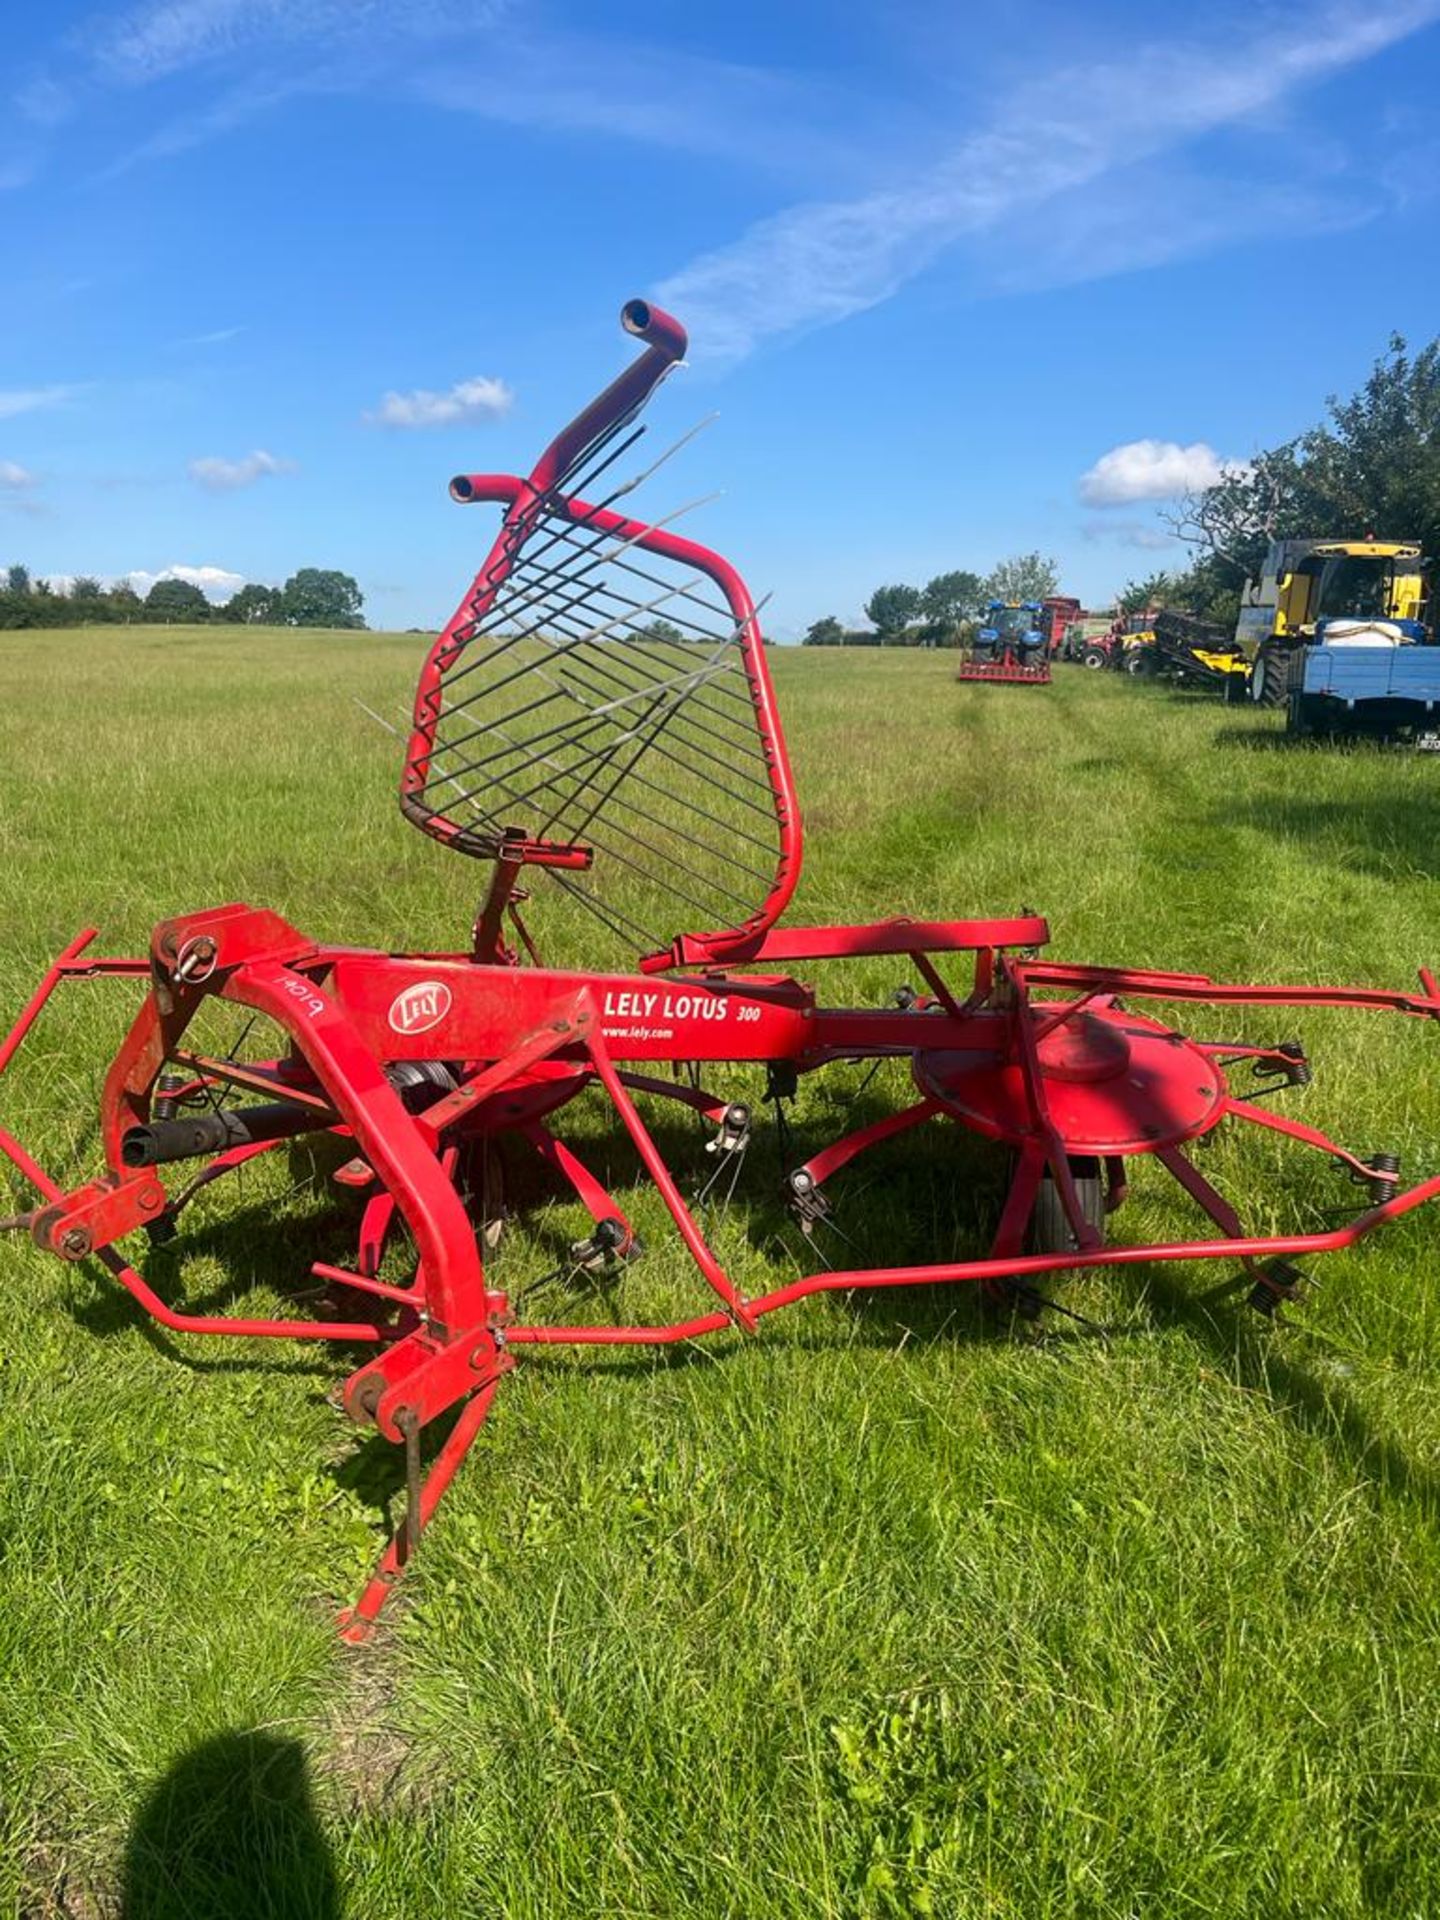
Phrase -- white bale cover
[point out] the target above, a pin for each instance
(1363, 633)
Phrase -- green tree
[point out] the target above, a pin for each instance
(664, 632)
(176, 602)
(320, 597)
(1372, 467)
(824, 633)
(947, 602)
(17, 579)
(1376, 467)
(1235, 520)
(890, 610)
(255, 605)
(1156, 590)
(1024, 576)
(123, 602)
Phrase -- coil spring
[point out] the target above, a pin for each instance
(165, 1106)
(1385, 1177)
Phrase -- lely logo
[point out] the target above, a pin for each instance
(420, 1007)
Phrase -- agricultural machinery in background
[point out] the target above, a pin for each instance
(1058, 613)
(1087, 640)
(1189, 653)
(1012, 645)
(598, 717)
(1101, 641)
(1335, 632)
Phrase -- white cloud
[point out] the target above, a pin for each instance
(218, 584)
(1151, 470)
(14, 478)
(478, 399)
(225, 476)
(15, 400)
(817, 263)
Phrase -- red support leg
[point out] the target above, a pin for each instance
(588, 1190)
(1201, 1191)
(830, 1159)
(355, 1622)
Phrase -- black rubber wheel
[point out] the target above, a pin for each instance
(1139, 664)
(1270, 678)
(1094, 657)
(1049, 1230)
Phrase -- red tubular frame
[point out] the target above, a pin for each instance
(1056, 1080)
(523, 500)
(452, 1332)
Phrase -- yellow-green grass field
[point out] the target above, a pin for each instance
(893, 1610)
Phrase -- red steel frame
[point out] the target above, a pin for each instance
(524, 502)
(1007, 670)
(1048, 1060)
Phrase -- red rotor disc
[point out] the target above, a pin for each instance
(1115, 1083)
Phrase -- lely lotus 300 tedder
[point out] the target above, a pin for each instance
(600, 711)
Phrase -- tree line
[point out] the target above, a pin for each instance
(312, 597)
(941, 613)
(1371, 466)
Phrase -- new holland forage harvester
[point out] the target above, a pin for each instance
(1010, 646)
(560, 729)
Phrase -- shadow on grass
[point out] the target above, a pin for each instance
(939, 1186)
(231, 1830)
(1361, 835)
(1258, 740)
(1321, 1409)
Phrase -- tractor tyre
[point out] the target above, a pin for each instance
(1139, 665)
(1094, 658)
(1308, 718)
(1270, 678)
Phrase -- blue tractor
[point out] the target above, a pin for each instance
(1010, 646)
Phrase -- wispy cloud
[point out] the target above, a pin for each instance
(15, 478)
(42, 101)
(241, 60)
(478, 399)
(234, 109)
(219, 475)
(17, 400)
(1129, 533)
(1151, 470)
(570, 84)
(215, 339)
(814, 264)
(164, 37)
(347, 44)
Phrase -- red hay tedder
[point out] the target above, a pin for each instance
(600, 705)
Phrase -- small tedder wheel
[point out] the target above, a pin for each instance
(1049, 1230)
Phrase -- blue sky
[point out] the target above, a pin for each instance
(276, 268)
